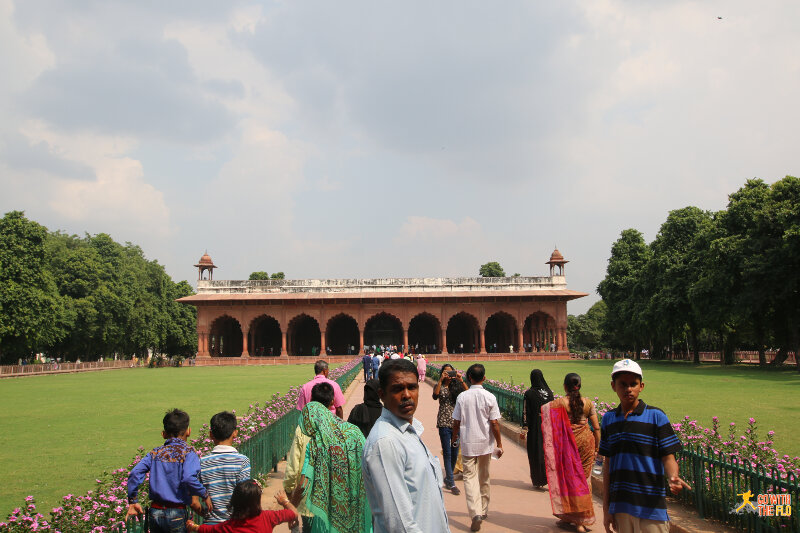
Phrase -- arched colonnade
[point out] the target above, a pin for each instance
(310, 332)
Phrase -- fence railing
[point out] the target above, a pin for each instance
(347, 378)
(719, 483)
(41, 368)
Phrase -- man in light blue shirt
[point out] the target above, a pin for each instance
(402, 478)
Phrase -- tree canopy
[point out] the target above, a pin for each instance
(492, 269)
(260, 274)
(727, 280)
(86, 297)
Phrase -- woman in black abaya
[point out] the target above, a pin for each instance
(365, 414)
(535, 397)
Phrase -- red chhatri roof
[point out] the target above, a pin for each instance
(556, 258)
(205, 261)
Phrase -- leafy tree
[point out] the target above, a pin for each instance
(258, 275)
(30, 310)
(492, 269)
(623, 291)
(586, 331)
(277, 275)
(672, 272)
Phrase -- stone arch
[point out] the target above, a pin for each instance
(424, 333)
(501, 332)
(540, 330)
(265, 336)
(225, 337)
(383, 328)
(341, 333)
(537, 330)
(463, 333)
(303, 336)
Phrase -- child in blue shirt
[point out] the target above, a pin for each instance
(173, 468)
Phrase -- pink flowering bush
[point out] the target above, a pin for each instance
(103, 509)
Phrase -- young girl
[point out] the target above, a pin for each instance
(246, 513)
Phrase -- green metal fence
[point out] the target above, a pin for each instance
(345, 379)
(266, 448)
(510, 403)
(718, 484)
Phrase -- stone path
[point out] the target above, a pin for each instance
(515, 505)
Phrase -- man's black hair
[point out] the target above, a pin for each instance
(320, 367)
(245, 501)
(392, 366)
(322, 393)
(476, 373)
(176, 422)
(223, 425)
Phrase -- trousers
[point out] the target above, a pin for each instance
(476, 483)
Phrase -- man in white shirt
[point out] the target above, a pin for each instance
(475, 422)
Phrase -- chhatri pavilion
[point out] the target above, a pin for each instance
(281, 320)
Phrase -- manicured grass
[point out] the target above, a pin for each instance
(61, 432)
(734, 394)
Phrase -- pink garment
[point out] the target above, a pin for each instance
(305, 393)
(421, 366)
(570, 496)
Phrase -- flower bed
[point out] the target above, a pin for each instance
(100, 510)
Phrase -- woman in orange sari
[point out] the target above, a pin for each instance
(570, 447)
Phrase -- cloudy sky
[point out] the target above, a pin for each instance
(371, 139)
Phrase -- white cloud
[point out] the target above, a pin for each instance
(370, 140)
(118, 194)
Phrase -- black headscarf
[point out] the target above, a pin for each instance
(365, 414)
(540, 385)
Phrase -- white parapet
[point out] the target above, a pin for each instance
(398, 285)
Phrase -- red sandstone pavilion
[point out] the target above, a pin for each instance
(280, 321)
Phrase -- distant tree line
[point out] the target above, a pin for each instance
(726, 281)
(262, 275)
(86, 297)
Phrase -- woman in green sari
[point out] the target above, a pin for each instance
(335, 489)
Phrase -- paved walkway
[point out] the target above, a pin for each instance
(515, 505)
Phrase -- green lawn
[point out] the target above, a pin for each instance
(734, 394)
(60, 432)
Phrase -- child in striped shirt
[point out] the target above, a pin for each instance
(224, 467)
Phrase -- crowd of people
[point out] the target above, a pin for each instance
(373, 472)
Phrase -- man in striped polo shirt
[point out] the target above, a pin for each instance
(224, 467)
(639, 445)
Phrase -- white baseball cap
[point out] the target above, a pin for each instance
(627, 365)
